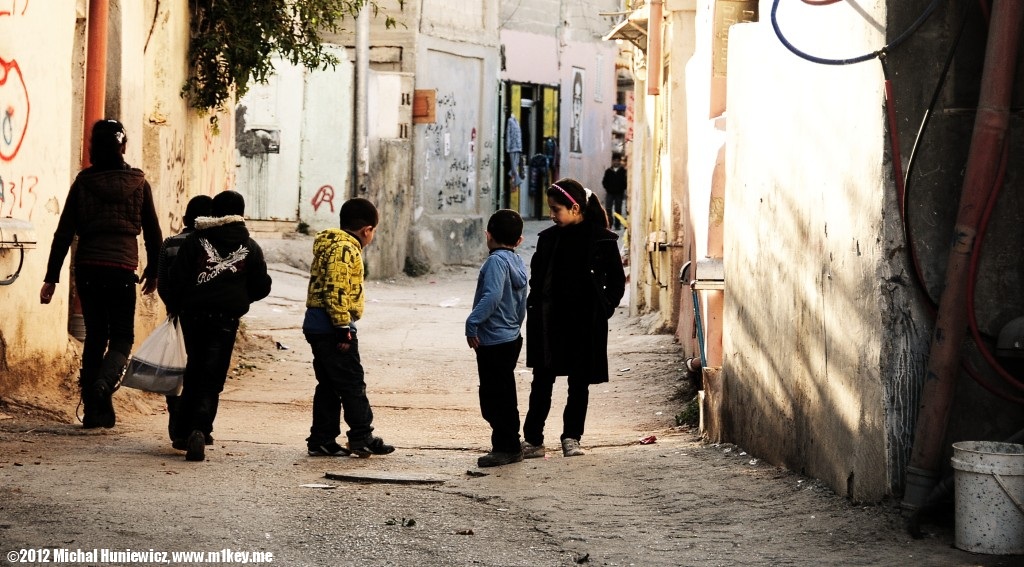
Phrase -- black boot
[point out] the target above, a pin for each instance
(87, 385)
(113, 367)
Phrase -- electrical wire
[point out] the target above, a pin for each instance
(849, 61)
(972, 319)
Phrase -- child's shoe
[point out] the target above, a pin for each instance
(371, 446)
(571, 447)
(331, 449)
(532, 451)
(498, 458)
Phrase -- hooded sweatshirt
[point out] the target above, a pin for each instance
(218, 269)
(107, 209)
(499, 304)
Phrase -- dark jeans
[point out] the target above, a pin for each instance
(496, 365)
(573, 418)
(613, 203)
(108, 310)
(340, 385)
(209, 341)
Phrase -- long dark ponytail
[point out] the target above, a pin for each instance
(567, 192)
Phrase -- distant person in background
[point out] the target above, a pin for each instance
(110, 203)
(614, 183)
(218, 272)
(199, 206)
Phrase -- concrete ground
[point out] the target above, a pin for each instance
(646, 493)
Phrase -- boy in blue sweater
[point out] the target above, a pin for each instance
(492, 330)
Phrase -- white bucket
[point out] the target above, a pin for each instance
(989, 480)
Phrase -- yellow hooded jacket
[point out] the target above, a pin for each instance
(336, 277)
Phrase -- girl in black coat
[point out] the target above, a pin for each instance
(576, 282)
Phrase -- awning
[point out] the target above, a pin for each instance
(632, 29)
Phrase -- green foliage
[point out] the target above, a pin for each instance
(690, 414)
(234, 41)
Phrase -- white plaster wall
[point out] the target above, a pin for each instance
(35, 153)
(598, 63)
(326, 162)
(530, 57)
(268, 180)
(470, 21)
(803, 251)
(42, 49)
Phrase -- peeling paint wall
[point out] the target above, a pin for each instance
(40, 156)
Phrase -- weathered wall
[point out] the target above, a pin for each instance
(530, 57)
(326, 128)
(35, 172)
(806, 255)
(454, 157)
(178, 150)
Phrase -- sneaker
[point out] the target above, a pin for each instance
(571, 447)
(331, 449)
(497, 458)
(196, 448)
(532, 451)
(371, 446)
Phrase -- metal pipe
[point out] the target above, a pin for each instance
(95, 72)
(990, 128)
(654, 48)
(360, 145)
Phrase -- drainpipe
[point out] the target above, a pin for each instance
(990, 128)
(95, 71)
(654, 62)
(93, 110)
(361, 158)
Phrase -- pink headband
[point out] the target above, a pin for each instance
(566, 193)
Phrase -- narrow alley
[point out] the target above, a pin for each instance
(646, 493)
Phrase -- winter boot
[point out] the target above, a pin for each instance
(113, 367)
(87, 383)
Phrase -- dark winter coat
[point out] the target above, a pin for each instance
(576, 282)
(107, 209)
(218, 269)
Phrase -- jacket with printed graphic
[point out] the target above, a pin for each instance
(335, 280)
(218, 269)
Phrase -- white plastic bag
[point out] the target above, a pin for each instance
(159, 363)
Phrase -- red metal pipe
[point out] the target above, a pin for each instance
(95, 71)
(990, 128)
(94, 109)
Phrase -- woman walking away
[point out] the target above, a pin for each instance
(576, 282)
(108, 205)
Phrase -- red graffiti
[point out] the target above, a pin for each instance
(14, 103)
(323, 195)
(14, 193)
(9, 7)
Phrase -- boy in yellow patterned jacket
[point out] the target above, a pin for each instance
(334, 302)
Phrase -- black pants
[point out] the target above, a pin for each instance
(340, 385)
(613, 204)
(573, 418)
(496, 365)
(209, 341)
(108, 310)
